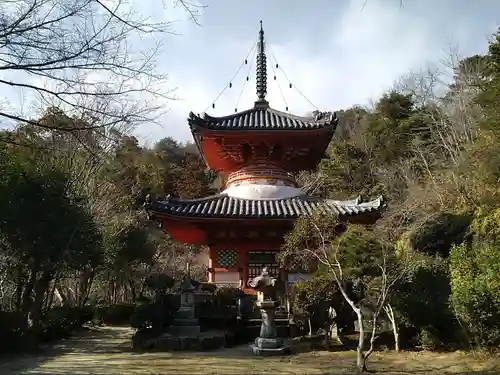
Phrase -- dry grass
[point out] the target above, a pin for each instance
(106, 352)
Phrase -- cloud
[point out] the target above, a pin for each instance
(337, 54)
(174, 122)
(359, 57)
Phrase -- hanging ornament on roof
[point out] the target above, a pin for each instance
(261, 77)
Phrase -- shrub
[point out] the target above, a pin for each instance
(311, 300)
(54, 324)
(475, 285)
(154, 314)
(13, 338)
(60, 322)
(428, 339)
(421, 301)
(114, 314)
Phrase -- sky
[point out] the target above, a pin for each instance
(336, 53)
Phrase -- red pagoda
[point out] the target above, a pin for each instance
(258, 151)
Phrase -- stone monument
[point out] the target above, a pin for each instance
(268, 342)
(185, 323)
(185, 332)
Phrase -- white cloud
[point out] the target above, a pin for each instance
(351, 59)
(365, 51)
(189, 96)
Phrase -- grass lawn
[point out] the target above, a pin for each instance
(105, 352)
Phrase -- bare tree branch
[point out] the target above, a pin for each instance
(78, 53)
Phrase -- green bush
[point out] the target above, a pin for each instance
(311, 300)
(475, 286)
(438, 235)
(60, 322)
(118, 314)
(54, 324)
(154, 314)
(428, 339)
(421, 302)
(13, 338)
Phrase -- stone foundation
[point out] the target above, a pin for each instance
(270, 352)
(168, 342)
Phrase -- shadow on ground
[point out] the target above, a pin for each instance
(106, 351)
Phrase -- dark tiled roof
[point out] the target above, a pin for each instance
(224, 206)
(264, 118)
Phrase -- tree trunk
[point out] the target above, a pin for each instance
(361, 342)
(61, 297)
(41, 287)
(27, 295)
(132, 290)
(19, 290)
(115, 292)
(89, 288)
(85, 286)
(310, 327)
(390, 314)
(50, 296)
(372, 342)
(396, 337)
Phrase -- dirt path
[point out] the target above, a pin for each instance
(106, 351)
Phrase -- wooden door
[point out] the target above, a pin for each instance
(258, 260)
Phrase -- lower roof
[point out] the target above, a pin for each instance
(225, 206)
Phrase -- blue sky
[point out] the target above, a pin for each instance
(337, 52)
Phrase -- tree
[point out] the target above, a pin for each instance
(312, 300)
(78, 55)
(421, 302)
(475, 280)
(365, 283)
(34, 202)
(129, 252)
(193, 181)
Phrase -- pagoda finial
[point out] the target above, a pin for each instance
(261, 77)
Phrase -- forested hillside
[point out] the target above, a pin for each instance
(435, 158)
(73, 231)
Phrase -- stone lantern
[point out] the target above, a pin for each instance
(268, 342)
(185, 321)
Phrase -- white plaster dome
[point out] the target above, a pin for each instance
(262, 191)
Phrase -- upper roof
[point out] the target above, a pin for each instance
(225, 206)
(264, 118)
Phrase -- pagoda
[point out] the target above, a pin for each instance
(257, 151)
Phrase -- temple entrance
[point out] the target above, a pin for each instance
(258, 260)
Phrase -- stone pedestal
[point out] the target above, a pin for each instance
(268, 343)
(185, 323)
